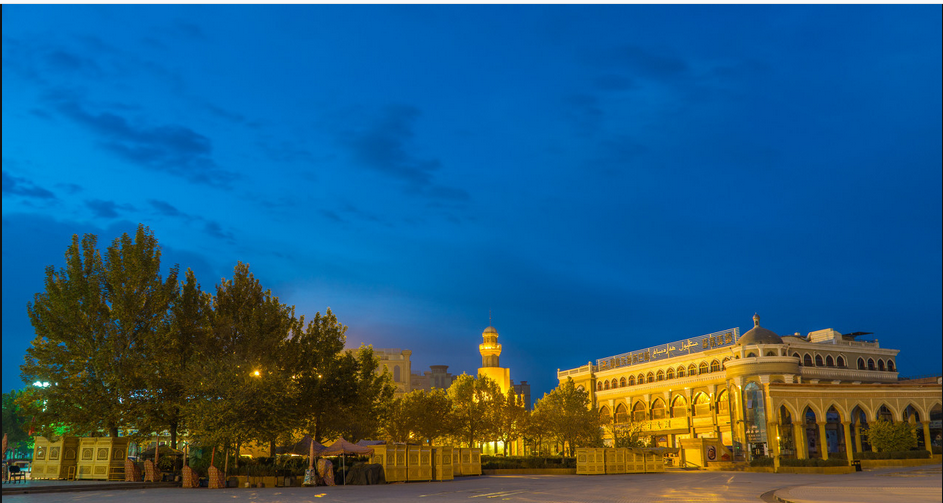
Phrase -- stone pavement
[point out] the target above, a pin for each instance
(884, 486)
(900, 485)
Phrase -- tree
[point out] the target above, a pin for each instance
(512, 418)
(241, 375)
(368, 395)
(170, 361)
(886, 436)
(91, 323)
(419, 416)
(569, 416)
(15, 425)
(475, 405)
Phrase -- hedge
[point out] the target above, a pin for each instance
(518, 462)
(813, 462)
(893, 455)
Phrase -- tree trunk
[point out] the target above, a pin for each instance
(113, 431)
(173, 434)
(271, 448)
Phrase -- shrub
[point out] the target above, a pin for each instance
(519, 462)
(937, 449)
(813, 462)
(888, 436)
(761, 461)
(893, 455)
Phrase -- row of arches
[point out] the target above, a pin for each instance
(802, 435)
(700, 406)
(662, 375)
(808, 360)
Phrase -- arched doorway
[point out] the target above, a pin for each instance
(787, 439)
(638, 412)
(912, 416)
(859, 430)
(812, 434)
(936, 432)
(834, 434)
(884, 414)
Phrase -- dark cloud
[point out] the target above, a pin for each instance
(384, 147)
(170, 148)
(164, 208)
(71, 188)
(64, 61)
(614, 82)
(330, 215)
(216, 230)
(17, 186)
(106, 209)
(649, 63)
(225, 114)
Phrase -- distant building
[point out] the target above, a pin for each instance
(437, 376)
(523, 390)
(397, 363)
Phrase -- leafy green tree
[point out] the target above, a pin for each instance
(170, 360)
(887, 436)
(420, 416)
(537, 428)
(241, 375)
(569, 416)
(475, 403)
(91, 323)
(512, 418)
(15, 425)
(368, 397)
(317, 376)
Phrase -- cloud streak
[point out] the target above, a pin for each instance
(384, 147)
(16, 186)
(169, 148)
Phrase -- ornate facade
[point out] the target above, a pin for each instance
(762, 394)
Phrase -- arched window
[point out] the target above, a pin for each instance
(604, 415)
(680, 371)
(605, 385)
(598, 385)
(658, 409)
(715, 366)
(650, 377)
(723, 364)
(829, 362)
(818, 361)
(796, 355)
(679, 407)
(751, 354)
(615, 383)
(870, 364)
(702, 368)
(881, 365)
(884, 414)
(641, 379)
(723, 403)
(807, 360)
(890, 365)
(670, 374)
(840, 361)
(770, 353)
(622, 382)
(702, 405)
(631, 380)
(638, 412)
(860, 363)
(692, 370)
(660, 376)
(622, 415)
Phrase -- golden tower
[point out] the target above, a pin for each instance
(490, 350)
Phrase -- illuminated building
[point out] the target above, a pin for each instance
(761, 393)
(490, 351)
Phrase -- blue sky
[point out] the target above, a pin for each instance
(601, 178)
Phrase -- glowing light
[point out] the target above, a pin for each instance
(257, 373)
(41, 384)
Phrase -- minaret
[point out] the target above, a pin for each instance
(490, 350)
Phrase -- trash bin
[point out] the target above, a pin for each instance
(857, 464)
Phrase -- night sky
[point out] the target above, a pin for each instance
(601, 179)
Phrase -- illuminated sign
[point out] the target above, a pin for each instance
(670, 350)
